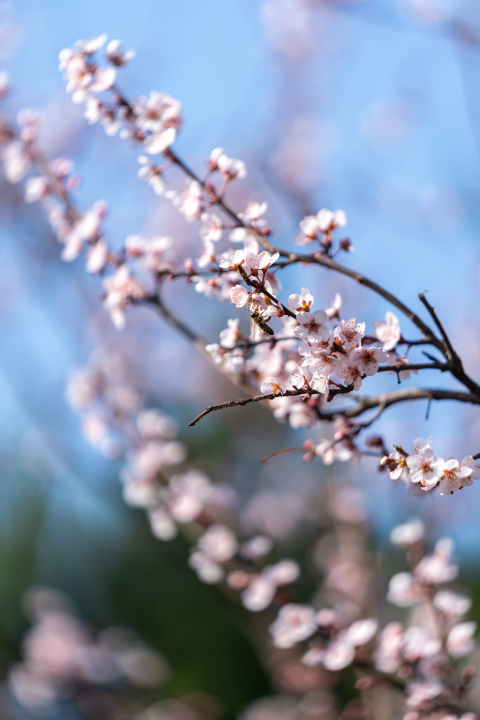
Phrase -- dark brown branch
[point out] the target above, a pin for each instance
(247, 401)
(418, 366)
(398, 396)
(363, 404)
(457, 367)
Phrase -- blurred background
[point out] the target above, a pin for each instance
(356, 104)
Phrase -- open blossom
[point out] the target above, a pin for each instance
(335, 306)
(151, 174)
(294, 623)
(368, 359)
(253, 212)
(272, 386)
(460, 639)
(351, 374)
(425, 468)
(388, 332)
(312, 327)
(323, 222)
(350, 333)
(408, 534)
(231, 169)
(116, 55)
(329, 220)
(189, 202)
(121, 289)
(81, 74)
(454, 476)
(219, 542)
(256, 266)
(229, 336)
(453, 606)
(300, 302)
(212, 228)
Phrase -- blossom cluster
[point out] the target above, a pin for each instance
(60, 652)
(421, 655)
(424, 469)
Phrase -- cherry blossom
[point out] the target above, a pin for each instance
(388, 332)
(115, 54)
(454, 476)
(294, 623)
(272, 386)
(312, 327)
(300, 302)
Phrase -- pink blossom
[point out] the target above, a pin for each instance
(16, 161)
(259, 594)
(350, 333)
(115, 54)
(254, 211)
(339, 654)
(395, 464)
(368, 359)
(351, 374)
(425, 468)
(212, 228)
(401, 590)
(437, 568)
(272, 386)
(240, 296)
(301, 302)
(312, 326)
(231, 169)
(328, 220)
(388, 332)
(219, 543)
(121, 289)
(454, 476)
(229, 336)
(151, 174)
(408, 534)
(460, 641)
(335, 306)
(453, 606)
(294, 623)
(361, 632)
(161, 524)
(189, 202)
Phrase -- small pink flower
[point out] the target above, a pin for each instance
(272, 386)
(388, 332)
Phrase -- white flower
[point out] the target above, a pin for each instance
(460, 639)
(301, 302)
(425, 468)
(212, 228)
(259, 594)
(219, 543)
(294, 623)
(408, 534)
(328, 220)
(451, 604)
(339, 654)
(350, 333)
(312, 326)
(454, 477)
(115, 54)
(334, 310)
(272, 386)
(231, 169)
(368, 359)
(388, 332)
(161, 524)
(401, 590)
(361, 632)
